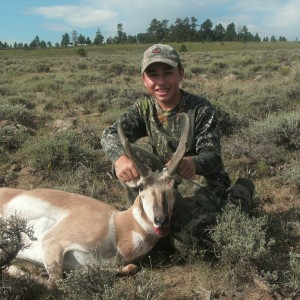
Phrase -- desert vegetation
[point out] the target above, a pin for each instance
(54, 106)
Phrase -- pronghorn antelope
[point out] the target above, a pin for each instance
(73, 230)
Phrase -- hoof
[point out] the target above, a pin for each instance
(130, 269)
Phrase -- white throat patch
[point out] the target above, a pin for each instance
(142, 222)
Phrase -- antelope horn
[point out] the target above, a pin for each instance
(142, 169)
(182, 146)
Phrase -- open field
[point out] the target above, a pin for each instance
(55, 103)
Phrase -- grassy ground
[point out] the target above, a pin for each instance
(55, 104)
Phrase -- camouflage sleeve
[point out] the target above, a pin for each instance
(134, 128)
(207, 142)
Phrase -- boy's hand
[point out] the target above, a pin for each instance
(125, 169)
(187, 168)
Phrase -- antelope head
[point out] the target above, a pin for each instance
(157, 192)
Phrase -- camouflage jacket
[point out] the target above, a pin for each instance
(146, 118)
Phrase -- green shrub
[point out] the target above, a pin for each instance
(245, 61)
(25, 101)
(117, 68)
(129, 95)
(285, 70)
(197, 70)
(252, 156)
(99, 281)
(241, 241)
(272, 66)
(131, 70)
(294, 273)
(292, 92)
(24, 287)
(88, 282)
(218, 67)
(112, 115)
(183, 48)
(42, 68)
(281, 130)
(42, 84)
(12, 230)
(230, 123)
(87, 181)
(109, 91)
(189, 247)
(11, 241)
(291, 174)
(81, 52)
(51, 104)
(262, 168)
(22, 115)
(12, 136)
(6, 90)
(82, 66)
(86, 95)
(65, 151)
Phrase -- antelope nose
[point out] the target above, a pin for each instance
(160, 221)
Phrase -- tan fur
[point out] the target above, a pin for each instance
(87, 223)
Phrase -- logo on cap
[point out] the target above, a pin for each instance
(156, 50)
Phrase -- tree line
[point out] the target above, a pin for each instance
(183, 30)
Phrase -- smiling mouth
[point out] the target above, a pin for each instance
(162, 90)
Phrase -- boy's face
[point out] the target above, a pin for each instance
(162, 82)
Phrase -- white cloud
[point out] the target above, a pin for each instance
(255, 5)
(287, 15)
(135, 15)
(76, 16)
(282, 20)
(59, 27)
(269, 17)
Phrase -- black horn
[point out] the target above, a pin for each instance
(182, 146)
(142, 169)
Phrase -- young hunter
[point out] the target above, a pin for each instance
(157, 118)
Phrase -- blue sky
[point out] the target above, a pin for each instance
(22, 20)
